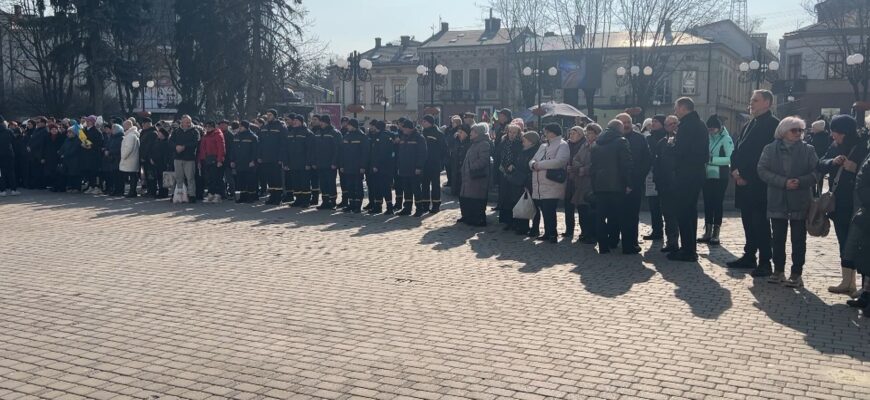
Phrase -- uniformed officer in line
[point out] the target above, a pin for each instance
(411, 160)
(436, 158)
(300, 156)
(397, 185)
(270, 156)
(382, 166)
(243, 161)
(342, 180)
(327, 142)
(372, 133)
(288, 195)
(353, 160)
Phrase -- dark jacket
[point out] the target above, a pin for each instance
(691, 150)
(756, 134)
(52, 156)
(91, 159)
(272, 136)
(821, 141)
(161, 152)
(778, 164)
(411, 153)
(654, 138)
(113, 146)
(857, 152)
(299, 148)
(436, 149)
(611, 163)
(664, 167)
(521, 165)
(383, 152)
(354, 152)
(189, 138)
(245, 150)
(70, 156)
(38, 144)
(640, 161)
(146, 144)
(7, 148)
(327, 144)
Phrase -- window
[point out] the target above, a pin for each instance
(377, 92)
(795, 62)
(456, 80)
(834, 66)
(690, 83)
(361, 94)
(474, 80)
(491, 79)
(399, 93)
(663, 90)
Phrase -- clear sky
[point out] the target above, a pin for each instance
(347, 25)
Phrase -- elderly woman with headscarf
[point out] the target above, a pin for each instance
(475, 177)
(841, 163)
(787, 166)
(576, 139)
(548, 178)
(509, 189)
(579, 172)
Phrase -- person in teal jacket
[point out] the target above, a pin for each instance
(718, 175)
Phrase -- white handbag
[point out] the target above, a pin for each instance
(525, 207)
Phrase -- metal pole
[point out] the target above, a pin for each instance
(432, 74)
(538, 87)
(353, 68)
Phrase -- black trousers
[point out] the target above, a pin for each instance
(842, 222)
(798, 244)
(687, 215)
(571, 215)
(411, 191)
(246, 182)
(669, 205)
(609, 206)
(379, 187)
(588, 221)
(354, 189)
(272, 176)
(115, 181)
(547, 208)
(473, 211)
(630, 218)
(756, 229)
(655, 215)
(214, 179)
(8, 179)
(342, 181)
(315, 185)
(714, 198)
(431, 188)
(326, 177)
(132, 179)
(300, 182)
(37, 174)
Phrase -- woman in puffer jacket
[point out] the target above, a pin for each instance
(548, 178)
(129, 164)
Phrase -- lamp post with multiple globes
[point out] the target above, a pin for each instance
(356, 69)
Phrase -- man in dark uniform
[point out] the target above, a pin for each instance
(381, 168)
(270, 155)
(640, 166)
(288, 196)
(229, 138)
(750, 195)
(410, 161)
(327, 142)
(300, 156)
(353, 160)
(244, 162)
(691, 150)
(38, 147)
(342, 180)
(436, 157)
(397, 184)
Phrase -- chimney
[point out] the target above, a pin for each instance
(495, 24)
(668, 31)
(549, 34)
(760, 40)
(405, 40)
(445, 27)
(579, 32)
(17, 10)
(377, 43)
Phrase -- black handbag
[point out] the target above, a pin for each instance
(557, 175)
(211, 160)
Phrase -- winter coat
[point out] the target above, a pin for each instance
(146, 144)
(664, 167)
(570, 186)
(844, 198)
(821, 141)
(52, 155)
(721, 147)
(476, 159)
(640, 161)
(457, 157)
(354, 152)
(327, 142)
(130, 151)
(299, 149)
(114, 145)
(91, 158)
(778, 164)
(691, 149)
(580, 172)
(382, 152)
(508, 192)
(272, 136)
(755, 136)
(161, 153)
(411, 154)
(70, 156)
(189, 138)
(7, 148)
(38, 144)
(436, 149)
(552, 155)
(611, 163)
(858, 247)
(244, 150)
(212, 148)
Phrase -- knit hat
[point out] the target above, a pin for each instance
(91, 118)
(353, 122)
(430, 119)
(298, 117)
(519, 122)
(532, 137)
(713, 122)
(661, 118)
(555, 128)
(844, 124)
(408, 124)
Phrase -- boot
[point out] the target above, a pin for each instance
(862, 302)
(847, 285)
(343, 203)
(714, 239)
(389, 210)
(315, 198)
(406, 209)
(436, 208)
(376, 208)
(356, 208)
(369, 206)
(274, 198)
(708, 233)
(747, 261)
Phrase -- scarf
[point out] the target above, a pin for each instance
(507, 153)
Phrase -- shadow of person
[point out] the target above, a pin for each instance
(534, 256)
(448, 237)
(706, 297)
(611, 275)
(829, 329)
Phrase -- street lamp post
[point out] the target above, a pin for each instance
(538, 73)
(137, 85)
(656, 104)
(626, 76)
(856, 72)
(386, 104)
(759, 70)
(354, 68)
(431, 74)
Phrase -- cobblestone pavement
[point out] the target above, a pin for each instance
(114, 298)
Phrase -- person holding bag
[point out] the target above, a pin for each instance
(520, 177)
(841, 164)
(548, 178)
(718, 176)
(787, 166)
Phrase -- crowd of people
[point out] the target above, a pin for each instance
(599, 173)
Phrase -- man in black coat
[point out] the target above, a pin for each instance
(8, 182)
(381, 168)
(243, 160)
(146, 145)
(271, 155)
(92, 155)
(436, 157)
(327, 141)
(353, 161)
(751, 192)
(411, 154)
(691, 149)
(299, 151)
(38, 148)
(611, 173)
(640, 166)
(229, 135)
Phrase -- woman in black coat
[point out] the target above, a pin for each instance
(508, 193)
(520, 179)
(457, 156)
(858, 245)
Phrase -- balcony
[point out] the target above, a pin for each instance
(457, 96)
